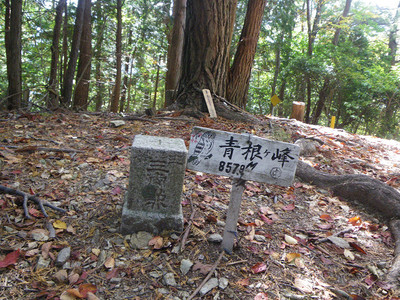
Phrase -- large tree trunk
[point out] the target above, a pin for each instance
(205, 65)
(118, 52)
(12, 36)
(85, 57)
(174, 57)
(376, 197)
(53, 96)
(66, 92)
(239, 73)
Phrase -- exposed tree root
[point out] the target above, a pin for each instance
(375, 196)
(27, 197)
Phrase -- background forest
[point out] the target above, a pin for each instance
(339, 57)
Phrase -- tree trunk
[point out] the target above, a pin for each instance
(312, 34)
(12, 37)
(53, 97)
(64, 51)
(84, 66)
(240, 71)
(156, 83)
(98, 49)
(205, 65)
(326, 89)
(118, 52)
(175, 50)
(73, 55)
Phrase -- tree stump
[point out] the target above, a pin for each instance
(298, 111)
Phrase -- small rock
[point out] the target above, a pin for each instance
(214, 238)
(185, 266)
(155, 274)
(115, 280)
(117, 123)
(163, 291)
(40, 235)
(101, 258)
(212, 283)
(260, 238)
(223, 283)
(169, 279)
(91, 296)
(63, 256)
(9, 229)
(141, 240)
(42, 263)
(220, 223)
(61, 276)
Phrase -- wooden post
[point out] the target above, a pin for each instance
(232, 215)
(298, 111)
(210, 103)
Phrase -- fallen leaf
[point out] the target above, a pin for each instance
(156, 242)
(60, 224)
(75, 293)
(203, 268)
(85, 288)
(73, 278)
(113, 273)
(290, 257)
(96, 251)
(290, 240)
(91, 296)
(326, 218)
(355, 221)
(109, 263)
(261, 296)
(243, 282)
(348, 254)
(289, 207)
(10, 259)
(46, 249)
(258, 268)
(303, 285)
(358, 248)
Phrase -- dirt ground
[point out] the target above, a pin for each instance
(290, 241)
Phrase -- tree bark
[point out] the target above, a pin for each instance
(81, 95)
(205, 65)
(240, 71)
(174, 57)
(66, 92)
(53, 97)
(118, 52)
(12, 37)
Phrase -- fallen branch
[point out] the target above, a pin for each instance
(215, 265)
(187, 230)
(27, 197)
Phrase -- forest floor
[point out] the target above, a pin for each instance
(290, 243)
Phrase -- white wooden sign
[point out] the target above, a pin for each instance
(243, 156)
(210, 103)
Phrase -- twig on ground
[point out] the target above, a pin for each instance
(208, 276)
(27, 197)
(187, 230)
(132, 118)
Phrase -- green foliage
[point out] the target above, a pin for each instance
(363, 86)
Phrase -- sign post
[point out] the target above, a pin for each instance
(241, 157)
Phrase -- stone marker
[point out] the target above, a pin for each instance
(153, 200)
(241, 157)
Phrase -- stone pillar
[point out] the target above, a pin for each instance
(153, 200)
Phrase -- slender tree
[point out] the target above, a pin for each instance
(240, 71)
(174, 57)
(118, 53)
(80, 101)
(53, 96)
(13, 29)
(66, 91)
